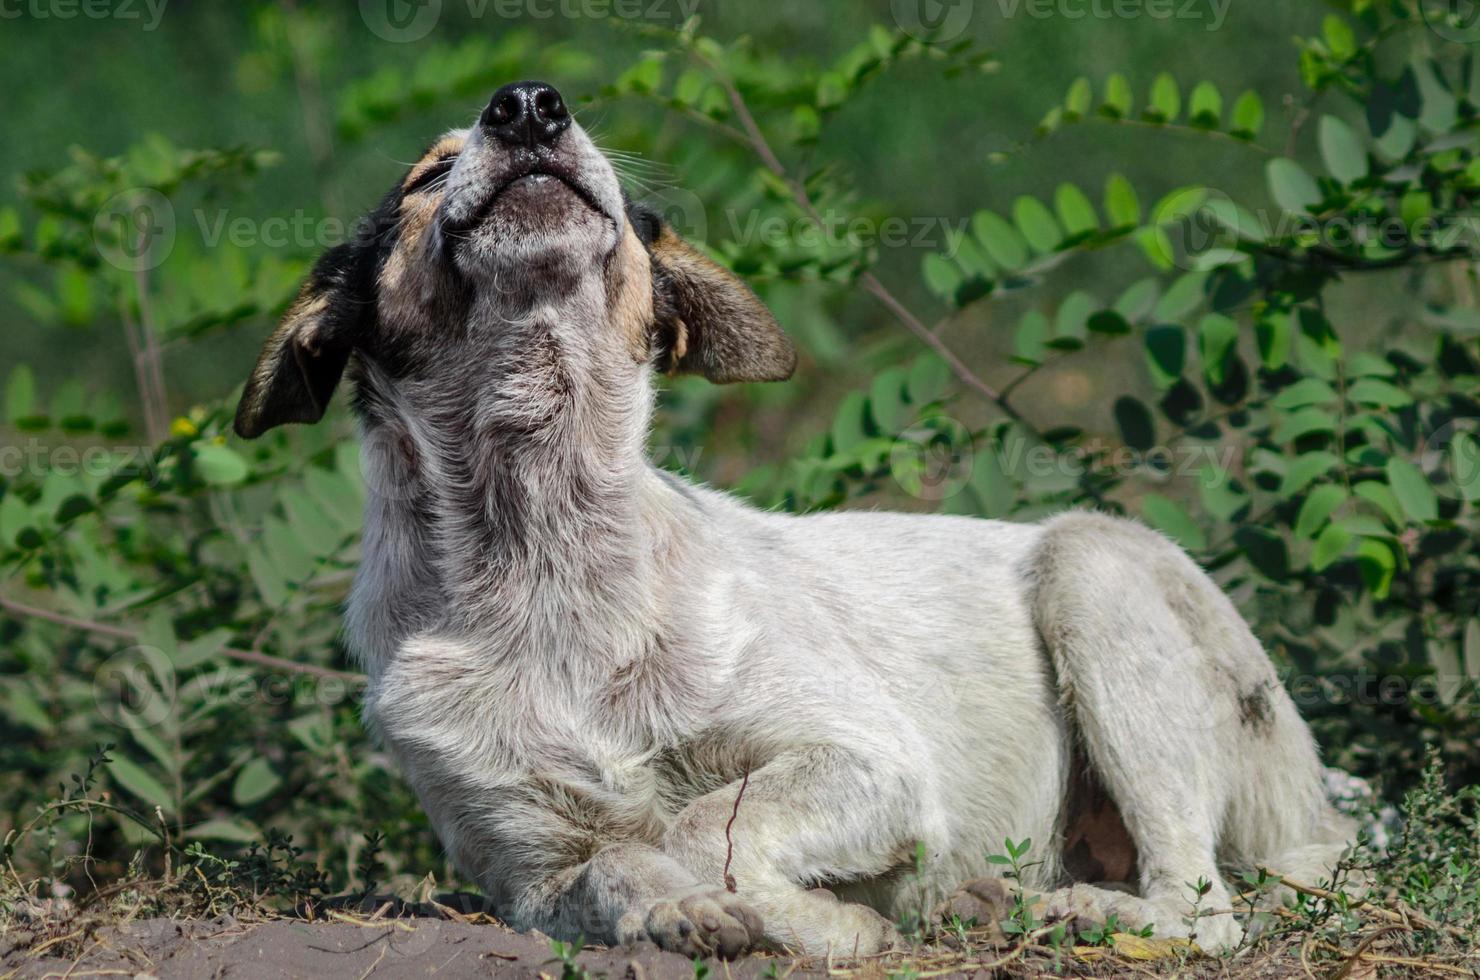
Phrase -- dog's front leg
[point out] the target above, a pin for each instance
(631, 892)
(809, 816)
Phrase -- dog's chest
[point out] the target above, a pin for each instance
(614, 749)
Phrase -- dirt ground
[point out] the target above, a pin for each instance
(389, 948)
(384, 937)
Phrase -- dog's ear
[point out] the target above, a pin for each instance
(302, 361)
(709, 322)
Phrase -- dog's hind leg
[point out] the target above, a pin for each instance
(1182, 718)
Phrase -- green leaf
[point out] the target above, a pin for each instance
(254, 783)
(1303, 422)
(20, 394)
(1118, 97)
(1216, 336)
(1168, 517)
(1031, 340)
(929, 380)
(219, 465)
(1205, 105)
(848, 429)
(1220, 496)
(1440, 107)
(1121, 204)
(1266, 551)
(1306, 391)
(1000, 239)
(1248, 115)
(886, 400)
(1342, 151)
(1381, 496)
(1076, 214)
(10, 229)
(1413, 491)
(1166, 99)
(285, 548)
(15, 517)
(991, 485)
(1292, 188)
(1136, 425)
(1166, 352)
(1375, 392)
(1330, 546)
(1320, 504)
(1377, 563)
(1077, 100)
(129, 775)
(1305, 470)
(1340, 40)
(1274, 337)
(941, 276)
(1072, 319)
(1036, 223)
(1139, 300)
(1182, 297)
(270, 584)
(1108, 322)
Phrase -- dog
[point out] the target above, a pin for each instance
(636, 708)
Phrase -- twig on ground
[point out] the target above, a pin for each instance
(729, 841)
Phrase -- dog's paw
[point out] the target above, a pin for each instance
(703, 922)
(987, 901)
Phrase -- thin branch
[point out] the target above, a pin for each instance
(762, 147)
(729, 879)
(20, 609)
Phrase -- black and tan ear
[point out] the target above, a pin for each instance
(302, 361)
(709, 320)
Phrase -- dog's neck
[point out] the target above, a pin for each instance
(514, 504)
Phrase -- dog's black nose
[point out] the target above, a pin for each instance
(526, 114)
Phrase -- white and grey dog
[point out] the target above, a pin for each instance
(576, 657)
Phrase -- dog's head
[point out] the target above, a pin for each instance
(510, 237)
